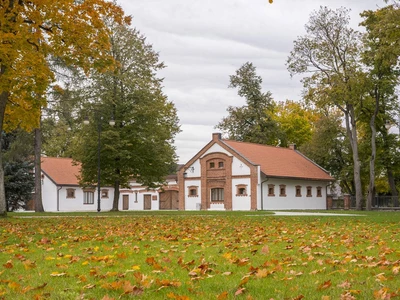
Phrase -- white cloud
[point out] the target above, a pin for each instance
(203, 42)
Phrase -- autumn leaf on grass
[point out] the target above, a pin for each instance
(177, 297)
(240, 291)
(222, 296)
(106, 297)
(8, 265)
(396, 270)
(244, 280)
(57, 274)
(380, 277)
(345, 285)
(325, 285)
(261, 273)
(265, 250)
(130, 289)
(347, 296)
(165, 283)
(383, 294)
(44, 241)
(226, 273)
(29, 264)
(299, 297)
(89, 286)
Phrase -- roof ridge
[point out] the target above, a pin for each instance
(263, 145)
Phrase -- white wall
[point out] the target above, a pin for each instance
(239, 168)
(216, 148)
(291, 201)
(191, 203)
(76, 204)
(49, 195)
(241, 202)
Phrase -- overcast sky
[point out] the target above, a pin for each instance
(202, 42)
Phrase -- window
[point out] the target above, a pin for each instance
(193, 191)
(104, 193)
(282, 190)
(319, 191)
(241, 190)
(88, 197)
(298, 191)
(221, 164)
(212, 165)
(70, 193)
(271, 190)
(217, 194)
(309, 191)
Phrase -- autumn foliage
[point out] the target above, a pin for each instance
(188, 256)
(32, 32)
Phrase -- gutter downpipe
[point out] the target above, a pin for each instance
(262, 200)
(58, 198)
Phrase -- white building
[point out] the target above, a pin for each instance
(231, 175)
(61, 191)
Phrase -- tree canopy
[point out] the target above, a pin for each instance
(32, 31)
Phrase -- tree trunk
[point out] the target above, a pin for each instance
(393, 188)
(3, 103)
(116, 196)
(371, 186)
(351, 129)
(38, 171)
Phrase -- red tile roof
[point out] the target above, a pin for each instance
(279, 162)
(61, 170)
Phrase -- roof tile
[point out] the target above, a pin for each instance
(279, 162)
(61, 170)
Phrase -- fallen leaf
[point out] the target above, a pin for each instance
(325, 285)
(240, 291)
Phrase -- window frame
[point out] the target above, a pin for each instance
(298, 191)
(319, 191)
(194, 188)
(271, 187)
(219, 192)
(86, 199)
(104, 193)
(68, 195)
(241, 190)
(309, 191)
(282, 187)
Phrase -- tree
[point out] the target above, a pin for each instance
(329, 148)
(381, 57)
(252, 122)
(33, 31)
(296, 122)
(18, 184)
(17, 150)
(330, 51)
(140, 143)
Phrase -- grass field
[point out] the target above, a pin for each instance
(199, 255)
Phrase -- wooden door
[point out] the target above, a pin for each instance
(125, 202)
(169, 200)
(147, 202)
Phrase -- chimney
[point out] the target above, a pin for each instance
(216, 136)
(292, 147)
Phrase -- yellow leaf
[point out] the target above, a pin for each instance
(222, 296)
(56, 274)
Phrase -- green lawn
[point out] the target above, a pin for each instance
(199, 255)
